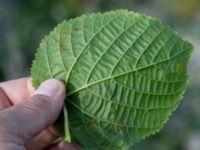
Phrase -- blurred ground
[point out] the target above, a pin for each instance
(23, 23)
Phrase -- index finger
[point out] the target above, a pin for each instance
(17, 90)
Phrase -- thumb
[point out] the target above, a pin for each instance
(25, 120)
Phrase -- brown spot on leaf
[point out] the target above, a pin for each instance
(91, 121)
(119, 127)
(61, 47)
(65, 33)
(77, 29)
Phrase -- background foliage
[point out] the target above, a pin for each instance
(23, 23)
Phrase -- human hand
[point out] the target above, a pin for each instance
(26, 115)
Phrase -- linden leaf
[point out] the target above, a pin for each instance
(124, 73)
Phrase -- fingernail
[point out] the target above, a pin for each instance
(49, 88)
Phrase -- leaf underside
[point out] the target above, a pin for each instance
(125, 74)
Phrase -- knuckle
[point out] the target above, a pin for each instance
(40, 105)
(40, 101)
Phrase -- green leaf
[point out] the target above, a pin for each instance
(125, 74)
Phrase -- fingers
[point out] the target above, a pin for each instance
(41, 141)
(17, 90)
(25, 120)
(4, 101)
(63, 146)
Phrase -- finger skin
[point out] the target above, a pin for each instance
(25, 120)
(18, 90)
(63, 146)
(22, 86)
(41, 141)
(4, 100)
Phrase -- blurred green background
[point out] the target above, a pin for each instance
(23, 23)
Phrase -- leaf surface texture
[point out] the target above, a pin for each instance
(125, 74)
